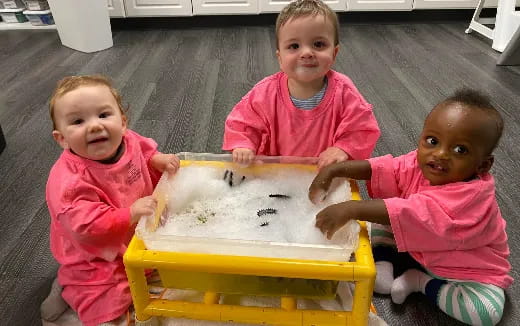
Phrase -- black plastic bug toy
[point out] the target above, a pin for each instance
(266, 211)
(229, 175)
(279, 196)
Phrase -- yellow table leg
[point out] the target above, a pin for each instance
(139, 290)
(211, 297)
(288, 303)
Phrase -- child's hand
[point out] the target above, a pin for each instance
(320, 185)
(244, 156)
(331, 219)
(165, 162)
(142, 207)
(331, 155)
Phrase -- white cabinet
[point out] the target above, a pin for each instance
(277, 5)
(116, 8)
(444, 4)
(155, 8)
(224, 7)
(454, 4)
(382, 5)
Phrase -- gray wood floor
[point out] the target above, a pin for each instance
(182, 81)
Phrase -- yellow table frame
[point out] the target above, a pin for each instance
(362, 272)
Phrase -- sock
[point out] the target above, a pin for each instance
(121, 321)
(412, 280)
(153, 321)
(384, 277)
(53, 306)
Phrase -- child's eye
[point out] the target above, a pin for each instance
(294, 46)
(459, 149)
(431, 140)
(77, 121)
(103, 115)
(319, 44)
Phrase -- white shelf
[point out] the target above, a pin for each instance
(26, 25)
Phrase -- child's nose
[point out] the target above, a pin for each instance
(95, 126)
(441, 153)
(306, 52)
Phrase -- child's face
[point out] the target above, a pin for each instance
(306, 48)
(455, 144)
(89, 122)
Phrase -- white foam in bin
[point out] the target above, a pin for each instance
(83, 25)
(184, 190)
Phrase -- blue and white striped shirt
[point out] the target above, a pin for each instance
(310, 103)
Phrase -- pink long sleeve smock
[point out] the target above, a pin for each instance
(455, 230)
(267, 122)
(90, 225)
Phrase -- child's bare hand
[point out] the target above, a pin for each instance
(320, 185)
(244, 156)
(331, 219)
(331, 155)
(165, 162)
(142, 207)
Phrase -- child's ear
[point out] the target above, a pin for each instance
(486, 165)
(336, 49)
(125, 123)
(278, 57)
(58, 137)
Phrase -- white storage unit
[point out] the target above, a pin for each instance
(151, 8)
(274, 6)
(224, 7)
(116, 8)
(83, 25)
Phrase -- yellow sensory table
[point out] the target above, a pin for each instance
(200, 268)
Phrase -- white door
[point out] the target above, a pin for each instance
(116, 8)
(154, 8)
(386, 5)
(277, 5)
(223, 7)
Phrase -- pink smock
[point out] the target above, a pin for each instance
(455, 230)
(267, 122)
(89, 204)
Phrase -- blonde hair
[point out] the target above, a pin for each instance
(303, 8)
(71, 83)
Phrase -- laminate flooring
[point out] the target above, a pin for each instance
(181, 77)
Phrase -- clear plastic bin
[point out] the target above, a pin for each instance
(13, 15)
(13, 4)
(36, 4)
(244, 247)
(39, 18)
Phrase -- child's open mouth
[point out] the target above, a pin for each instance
(436, 167)
(98, 140)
